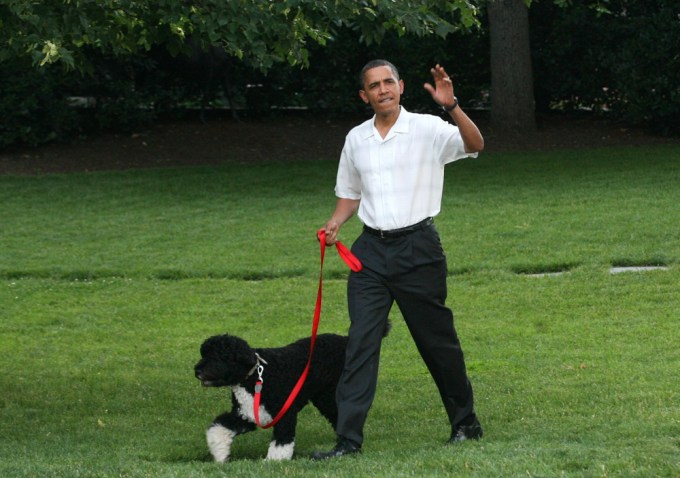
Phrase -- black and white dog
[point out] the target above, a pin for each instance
(228, 361)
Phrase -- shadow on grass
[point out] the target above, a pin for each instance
(544, 270)
(163, 274)
(651, 262)
(177, 274)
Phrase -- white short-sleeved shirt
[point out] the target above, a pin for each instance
(399, 180)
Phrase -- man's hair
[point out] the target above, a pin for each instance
(374, 64)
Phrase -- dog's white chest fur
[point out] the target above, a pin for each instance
(247, 402)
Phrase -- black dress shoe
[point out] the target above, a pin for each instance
(467, 432)
(342, 448)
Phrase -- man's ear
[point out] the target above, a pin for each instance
(401, 87)
(362, 95)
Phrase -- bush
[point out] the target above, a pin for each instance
(624, 62)
(331, 82)
(33, 106)
(647, 67)
(37, 107)
(118, 104)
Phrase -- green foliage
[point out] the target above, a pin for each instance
(132, 58)
(574, 375)
(112, 43)
(264, 33)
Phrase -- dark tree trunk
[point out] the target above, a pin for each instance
(512, 89)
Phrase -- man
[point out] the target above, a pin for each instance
(391, 173)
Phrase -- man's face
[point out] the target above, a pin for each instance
(382, 90)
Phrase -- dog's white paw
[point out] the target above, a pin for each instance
(280, 452)
(219, 442)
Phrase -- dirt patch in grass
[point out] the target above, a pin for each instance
(193, 142)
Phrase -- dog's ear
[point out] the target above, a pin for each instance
(241, 352)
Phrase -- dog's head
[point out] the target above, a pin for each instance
(225, 361)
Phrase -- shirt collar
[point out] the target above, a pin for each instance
(401, 126)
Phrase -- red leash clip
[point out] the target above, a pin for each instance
(354, 264)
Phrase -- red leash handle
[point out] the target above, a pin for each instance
(354, 264)
(345, 254)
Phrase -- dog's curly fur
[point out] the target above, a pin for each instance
(228, 361)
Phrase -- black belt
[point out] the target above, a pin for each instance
(401, 231)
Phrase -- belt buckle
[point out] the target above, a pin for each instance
(382, 234)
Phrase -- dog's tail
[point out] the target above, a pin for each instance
(388, 327)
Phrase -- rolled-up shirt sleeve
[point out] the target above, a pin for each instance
(448, 143)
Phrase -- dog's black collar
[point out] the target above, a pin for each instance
(252, 371)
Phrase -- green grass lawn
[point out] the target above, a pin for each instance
(109, 282)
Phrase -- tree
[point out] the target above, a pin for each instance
(261, 32)
(109, 41)
(512, 94)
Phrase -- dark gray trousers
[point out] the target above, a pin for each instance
(411, 271)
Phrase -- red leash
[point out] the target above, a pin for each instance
(354, 264)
